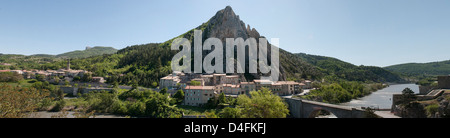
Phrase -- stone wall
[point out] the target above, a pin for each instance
(74, 90)
(295, 106)
(87, 90)
(444, 82)
(423, 90)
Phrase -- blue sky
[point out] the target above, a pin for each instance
(362, 32)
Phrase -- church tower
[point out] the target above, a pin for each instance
(68, 64)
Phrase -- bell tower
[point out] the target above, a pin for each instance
(68, 64)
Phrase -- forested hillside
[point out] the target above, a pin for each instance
(422, 69)
(94, 51)
(340, 69)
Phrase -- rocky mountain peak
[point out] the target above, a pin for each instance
(226, 24)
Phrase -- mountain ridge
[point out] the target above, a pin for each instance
(422, 69)
(146, 63)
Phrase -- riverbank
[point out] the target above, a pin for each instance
(381, 99)
(343, 91)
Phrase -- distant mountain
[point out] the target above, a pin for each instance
(43, 55)
(90, 51)
(422, 69)
(344, 70)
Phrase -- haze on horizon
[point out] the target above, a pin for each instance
(361, 32)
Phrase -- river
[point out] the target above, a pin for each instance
(382, 98)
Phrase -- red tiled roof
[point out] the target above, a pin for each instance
(5, 70)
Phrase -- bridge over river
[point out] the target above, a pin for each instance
(301, 108)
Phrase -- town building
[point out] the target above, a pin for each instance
(231, 85)
(247, 87)
(198, 95)
(98, 79)
(169, 82)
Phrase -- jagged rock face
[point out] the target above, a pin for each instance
(226, 24)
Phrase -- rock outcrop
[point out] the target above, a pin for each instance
(226, 24)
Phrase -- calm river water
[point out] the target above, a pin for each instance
(382, 98)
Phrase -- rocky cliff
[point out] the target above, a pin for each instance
(226, 24)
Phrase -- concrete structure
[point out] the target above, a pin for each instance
(263, 83)
(444, 82)
(98, 79)
(229, 89)
(5, 64)
(247, 87)
(232, 79)
(424, 90)
(169, 82)
(198, 95)
(17, 71)
(286, 88)
(308, 84)
(307, 109)
(74, 90)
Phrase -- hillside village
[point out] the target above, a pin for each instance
(210, 85)
(64, 77)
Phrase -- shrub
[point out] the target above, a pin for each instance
(431, 109)
(45, 104)
(119, 107)
(58, 106)
(19, 101)
(136, 109)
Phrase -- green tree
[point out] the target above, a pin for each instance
(16, 102)
(229, 112)
(179, 95)
(66, 83)
(262, 104)
(222, 99)
(115, 85)
(407, 96)
(154, 84)
(58, 106)
(134, 84)
(159, 107)
(59, 93)
(163, 91)
(76, 78)
(316, 85)
(40, 77)
(57, 80)
(87, 77)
